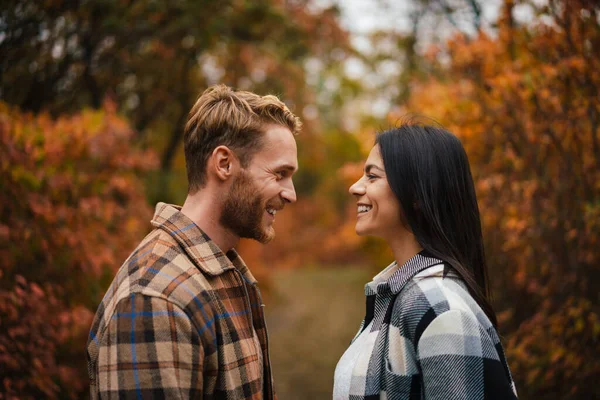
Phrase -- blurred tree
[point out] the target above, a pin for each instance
(71, 209)
(71, 186)
(522, 98)
(354, 99)
(525, 105)
(154, 57)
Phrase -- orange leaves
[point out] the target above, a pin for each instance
(546, 350)
(529, 118)
(350, 172)
(73, 198)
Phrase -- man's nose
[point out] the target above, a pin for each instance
(289, 192)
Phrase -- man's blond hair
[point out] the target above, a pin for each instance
(236, 119)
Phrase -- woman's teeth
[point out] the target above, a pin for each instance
(364, 209)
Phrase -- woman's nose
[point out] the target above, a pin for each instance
(357, 188)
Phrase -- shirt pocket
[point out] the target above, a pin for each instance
(400, 386)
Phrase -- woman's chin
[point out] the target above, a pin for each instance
(360, 231)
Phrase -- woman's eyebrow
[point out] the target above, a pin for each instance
(369, 167)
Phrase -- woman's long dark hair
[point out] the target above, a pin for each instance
(428, 171)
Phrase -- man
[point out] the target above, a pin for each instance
(183, 317)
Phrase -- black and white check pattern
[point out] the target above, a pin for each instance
(429, 339)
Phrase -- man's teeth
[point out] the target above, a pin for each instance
(362, 209)
(271, 211)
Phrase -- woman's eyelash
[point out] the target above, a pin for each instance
(371, 176)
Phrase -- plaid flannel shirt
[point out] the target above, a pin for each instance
(429, 339)
(180, 320)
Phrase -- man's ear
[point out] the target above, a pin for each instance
(223, 163)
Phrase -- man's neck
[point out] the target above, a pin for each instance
(204, 210)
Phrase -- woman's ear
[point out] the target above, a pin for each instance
(223, 163)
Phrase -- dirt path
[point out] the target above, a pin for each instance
(312, 314)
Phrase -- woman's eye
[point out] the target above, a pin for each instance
(371, 176)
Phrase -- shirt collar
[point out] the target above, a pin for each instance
(207, 256)
(393, 278)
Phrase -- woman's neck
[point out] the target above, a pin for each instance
(404, 248)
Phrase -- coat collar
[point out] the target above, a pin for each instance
(393, 278)
(207, 256)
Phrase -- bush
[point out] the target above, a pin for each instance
(73, 206)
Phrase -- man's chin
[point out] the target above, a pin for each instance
(266, 235)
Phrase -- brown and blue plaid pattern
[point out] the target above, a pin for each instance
(429, 339)
(180, 320)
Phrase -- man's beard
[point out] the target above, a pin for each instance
(243, 211)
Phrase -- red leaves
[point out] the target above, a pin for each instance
(29, 341)
(73, 207)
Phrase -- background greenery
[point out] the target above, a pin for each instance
(93, 96)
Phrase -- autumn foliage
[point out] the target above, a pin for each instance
(72, 205)
(525, 104)
(74, 188)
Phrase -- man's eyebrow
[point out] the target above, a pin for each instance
(288, 167)
(369, 167)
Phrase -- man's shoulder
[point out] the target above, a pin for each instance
(158, 267)
(159, 260)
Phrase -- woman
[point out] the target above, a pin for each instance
(429, 330)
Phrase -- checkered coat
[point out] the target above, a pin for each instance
(429, 340)
(180, 320)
